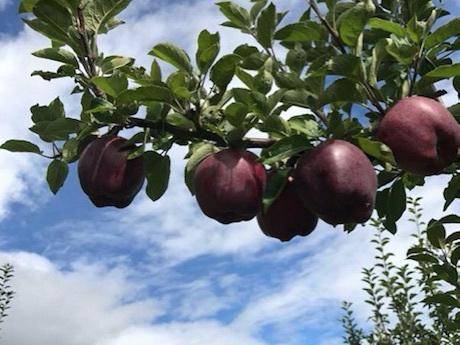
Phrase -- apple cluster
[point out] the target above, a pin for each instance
(335, 181)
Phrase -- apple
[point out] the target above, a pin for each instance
(287, 217)
(423, 135)
(107, 176)
(337, 182)
(229, 185)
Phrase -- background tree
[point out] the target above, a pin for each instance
(6, 292)
(409, 304)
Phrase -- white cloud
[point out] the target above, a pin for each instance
(3, 4)
(75, 307)
(21, 175)
(196, 333)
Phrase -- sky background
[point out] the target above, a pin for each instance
(159, 273)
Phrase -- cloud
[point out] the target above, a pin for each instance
(174, 333)
(75, 307)
(3, 4)
(18, 91)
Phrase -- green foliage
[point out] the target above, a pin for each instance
(338, 57)
(6, 292)
(411, 304)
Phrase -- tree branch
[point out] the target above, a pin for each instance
(338, 42)
(334, 34)
(88, 59)
(197, 134)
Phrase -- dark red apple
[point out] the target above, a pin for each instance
(107, 176)
(422, 133)
(287, 217)
(229, 185)
(337, 182)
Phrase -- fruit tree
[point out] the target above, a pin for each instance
(346, 96)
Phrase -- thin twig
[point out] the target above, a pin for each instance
(334, 34)
(88, 61)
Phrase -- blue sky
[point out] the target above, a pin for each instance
(158, 273)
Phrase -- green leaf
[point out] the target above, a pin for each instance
(378, 54)
(208, 49)
(99, 14)
(304, 124)
(155, 71)
(26, 6)
(111, 63)
(70, 150)
(173, 55)
(57, 54)
(452, 191)
(20, 146)
(199, 153)
(223, 71)
(275, 186)
(396, 201)
(235, 113)
(389, 26)
(285, 148)
(342, 65)
(179, 83)
(47, 30)
(53, 111)
(300, 32)
(423, 258)
(450, 219)
(263, 82)
(56, 175)
(256, 8)
(352, 23)
(113, 85)
(296, 59)
(180, 120)
(245, 77)
(377, 149)
(442, 298)
(63, 71)
(342, 90)
(56, 130)
(147, 94)
(237, 15)
(445, 71)
(401, 49)
(157, 170)
(436, 234)
(455, 256)
(266, 25)
(453, 237)
(443, 33)
(298, 98)
(54, 15)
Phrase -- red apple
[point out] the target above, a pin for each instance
(107, 176)
(423, 135)
(337, 182)
(229, 185)
(287, 217)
